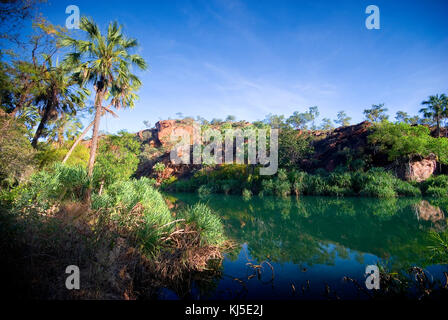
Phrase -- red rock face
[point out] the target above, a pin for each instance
(420, 170)
(166, 128)
(330, 147)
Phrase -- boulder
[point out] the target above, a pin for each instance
(420, 169)
(165, 128)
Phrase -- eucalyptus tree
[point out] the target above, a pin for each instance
(326, 124)
(58, 95)
(436, 109)
(342, 119)
(377, 113)
(105, 62)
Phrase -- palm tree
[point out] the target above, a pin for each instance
(58, 95)
(104, 61)
(436, 109)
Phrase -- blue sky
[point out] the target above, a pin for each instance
(250, 58)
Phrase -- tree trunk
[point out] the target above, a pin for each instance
(93, 147)
(96, 128)
(77, 142)
(438, 127)
(41, 126)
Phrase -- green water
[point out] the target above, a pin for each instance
(314, 241)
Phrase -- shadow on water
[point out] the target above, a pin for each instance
(302, 248)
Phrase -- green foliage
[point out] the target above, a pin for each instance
(205, 190)
(16, 154)
(207, 223)
(379, 183)
(435, 110)
(47, 155)
(437, 192)
(59, 183)
(247, 194)
(435, 186)
(118, 158)
(377, 113)
(138, 206)
(404, 188)
(300, 120)
(403, 140)
(439, 247)
(292, 147)
(326, 124)
(159, 167)
(342, 119)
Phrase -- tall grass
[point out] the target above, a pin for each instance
(376, 182)
(208, 224)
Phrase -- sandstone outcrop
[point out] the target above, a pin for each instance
(420, 169)
(333, 148)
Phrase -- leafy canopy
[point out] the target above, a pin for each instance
(404, 140)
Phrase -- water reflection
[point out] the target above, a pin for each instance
(319, 240)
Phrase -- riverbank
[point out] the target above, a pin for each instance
(245, 180)
(126, 243)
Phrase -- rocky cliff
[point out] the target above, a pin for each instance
(341, 146)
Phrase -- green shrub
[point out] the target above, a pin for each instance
(267, 187)
(247, 194)
(137, 206)
(437, 192)
(372, 189)
(440, 181)
(207, 223)
(342, 180)
(17, 157)
(404, 188)
(337, 191)
(59, 183)
(205, 190)
(282, 188)
(118, 158)
(315, 185)
(403, 140)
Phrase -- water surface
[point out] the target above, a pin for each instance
(305, 246)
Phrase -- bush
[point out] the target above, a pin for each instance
(247, 194)
(139, 208)
(404, 140)
(282, 188)
(118, 158)
(48, 155)
(208, 224)
(372, 189)
(267, 187)
(437, 192)
(315, 185)
(205, 190)
(440, 181)
(59, 183)
(404, 188)
(16, 153)
(379, 183)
